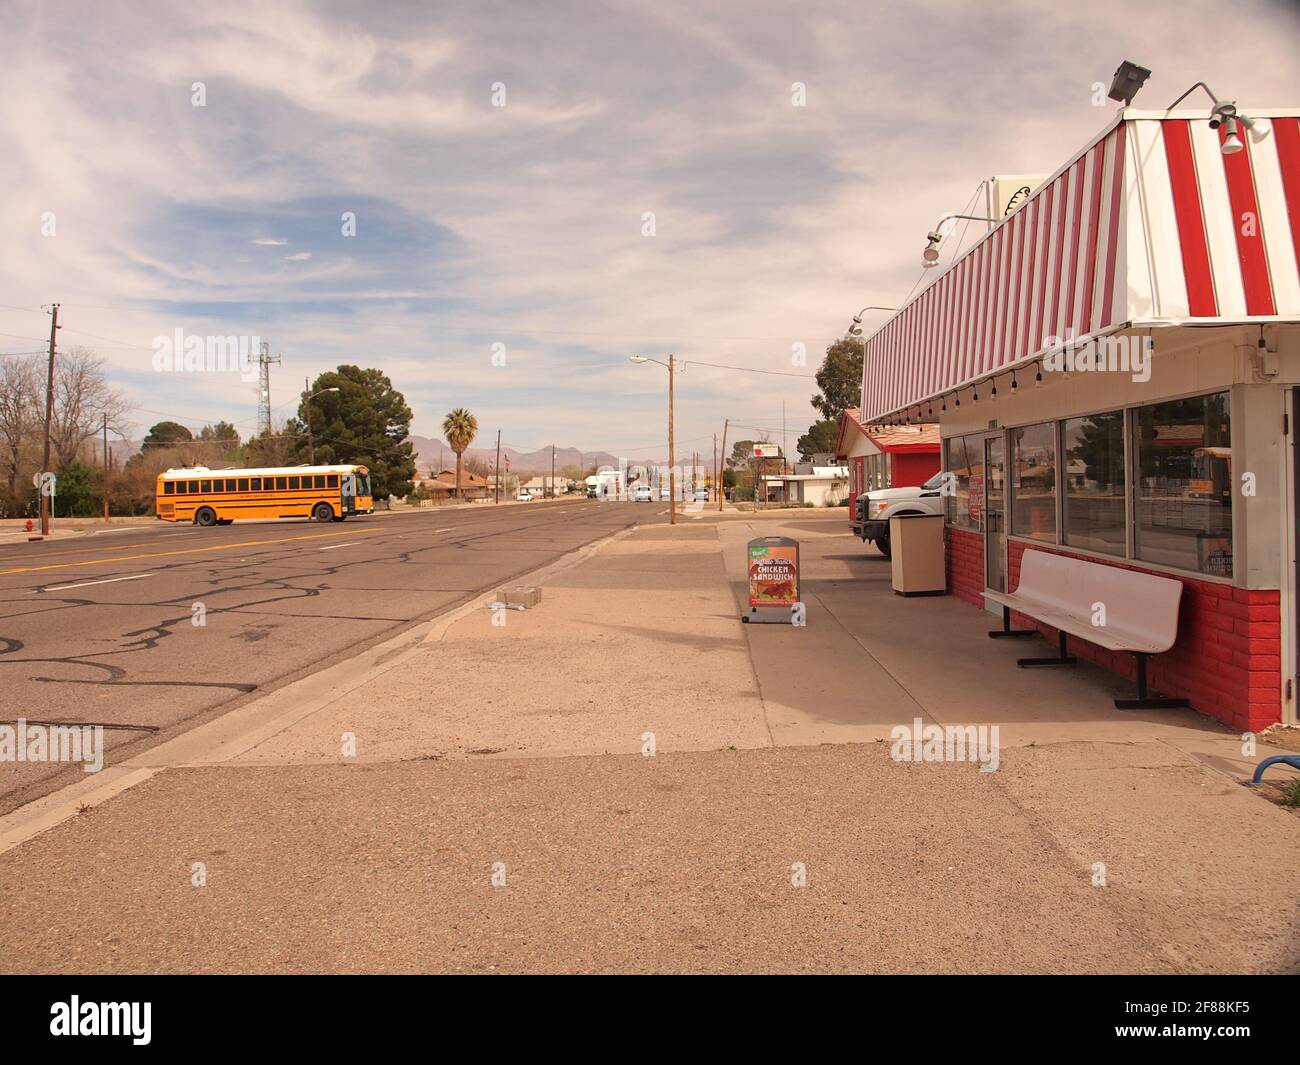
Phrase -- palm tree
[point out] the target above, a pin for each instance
(459, 427)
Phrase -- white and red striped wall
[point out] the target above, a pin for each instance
(1151, 224)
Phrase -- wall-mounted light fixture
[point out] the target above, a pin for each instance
(1224, 113)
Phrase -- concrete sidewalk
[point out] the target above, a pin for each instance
(520, 753)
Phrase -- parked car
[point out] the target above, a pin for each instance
(701, 495)
(524, 496)
(874, 509)
(642, 493)
(665, 493)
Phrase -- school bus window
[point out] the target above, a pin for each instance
(281, 483)
(332, 480)
(243, 484)
(205, 487)
(216, 485)
(169, 488)
(293, 483)
(194, 487)
(256, 485)
(230, 484)
(320, 480)
(181, 488)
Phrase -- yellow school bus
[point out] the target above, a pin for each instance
(218, 497)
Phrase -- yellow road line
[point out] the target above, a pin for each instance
(185, 551)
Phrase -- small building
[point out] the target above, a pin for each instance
(1115, 369)
(822, 486)
(442, 484)
(886, 456)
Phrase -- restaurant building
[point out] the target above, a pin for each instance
(1114, 369)
(885, 456)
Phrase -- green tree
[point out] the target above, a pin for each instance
(459, 427)
(221, 433)
(167, 434)
(75, 491)
(821, 437)
(742, 454)
(367, 422)
(840, 379)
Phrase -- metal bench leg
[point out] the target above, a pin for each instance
(1064, 658)
(1143, 700)
(1007, 630)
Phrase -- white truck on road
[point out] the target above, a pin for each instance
(872, 510)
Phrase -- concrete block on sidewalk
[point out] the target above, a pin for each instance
(526, 598)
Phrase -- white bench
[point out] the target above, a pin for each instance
(1115, 608)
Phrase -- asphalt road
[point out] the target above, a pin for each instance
(106, 628)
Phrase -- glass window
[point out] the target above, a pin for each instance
(1184, 484)
(293, 483)
(243, 484)
(205, 487)
(230, 484)
(966, 464)
(333, 479)
(194, 488)
(1033, 482)
(1094, 483)
(319, 480)
(256, 485)
(169, 488)
(218, 485)
(281, 483)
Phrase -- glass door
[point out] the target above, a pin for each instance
(995, 513)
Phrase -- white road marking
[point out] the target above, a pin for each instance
(333, 547)
(87, 584)
(451, 529)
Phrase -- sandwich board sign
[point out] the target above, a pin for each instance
(773, 581)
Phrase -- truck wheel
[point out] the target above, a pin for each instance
(205, 516)
(882, 543)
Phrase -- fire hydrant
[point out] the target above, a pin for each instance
(30, 525)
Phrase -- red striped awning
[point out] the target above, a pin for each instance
(1151, 224)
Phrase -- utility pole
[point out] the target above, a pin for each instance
(311, 440)
(715, 462)
(551, 494)
(672, 450)
(47, 501)
(721, 472)
(783, 439)
(498, 498)
(106, 465)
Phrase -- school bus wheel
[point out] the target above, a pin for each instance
(205, 516)
(323, 512)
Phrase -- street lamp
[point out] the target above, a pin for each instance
(671, 366)
(311, 443)
(931, 253)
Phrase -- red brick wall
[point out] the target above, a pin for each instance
(1227, 661)
(965, 564)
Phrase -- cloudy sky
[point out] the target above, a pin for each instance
(523, 225)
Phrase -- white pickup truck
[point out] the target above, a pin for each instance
(872, 510)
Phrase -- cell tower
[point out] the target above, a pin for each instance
(264, 360)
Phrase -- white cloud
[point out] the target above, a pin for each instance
(774, 223)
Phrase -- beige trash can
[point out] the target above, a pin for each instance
(916, 549)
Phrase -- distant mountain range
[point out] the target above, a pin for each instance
(432, 455)
(429, 458)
